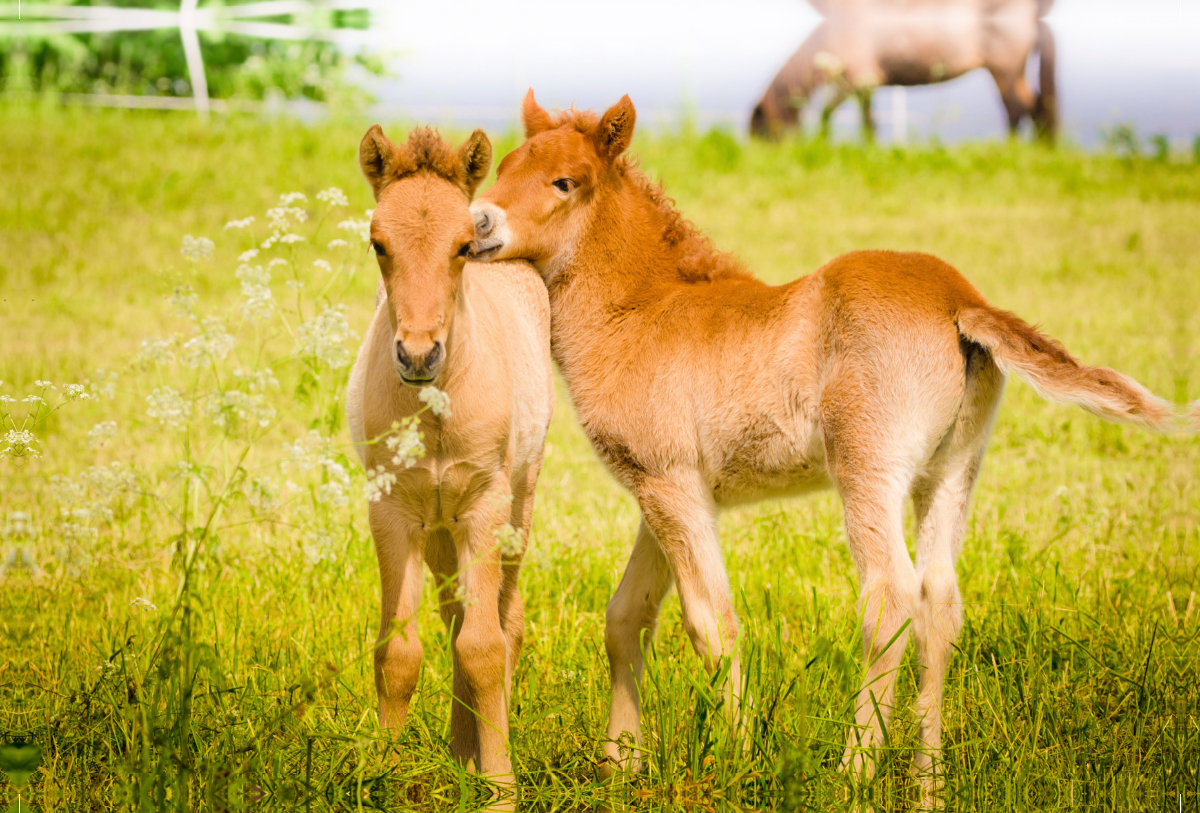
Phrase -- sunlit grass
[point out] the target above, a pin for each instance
(1075, 681)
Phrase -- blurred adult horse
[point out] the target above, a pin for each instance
(865, 44)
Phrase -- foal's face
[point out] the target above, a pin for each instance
(546, 190)
(421, 233)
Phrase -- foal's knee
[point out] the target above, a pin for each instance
(397, 668)
(713, 635)
(482, 658)
(887, 602)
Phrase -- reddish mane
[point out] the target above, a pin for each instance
(696, 258)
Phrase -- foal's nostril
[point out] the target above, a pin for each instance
(483, 223)
(434, 358)
(402, 357)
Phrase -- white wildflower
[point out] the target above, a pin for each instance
(291, 238)
(259, 302)
(335, 490)
(262, 495)
(510, 541)
(19, 443)
(275, 262)
(156, 351)
(143, 604)
(360, 227)
(7, 399)
(233, 408)
(44, 385)
(168, 408)
(288, 198)
(213, 342)
(324, 337)
(270, 241)
(323, 265)
(104, 385)
(333, 196)
(406, 444)
(17, 526)
(76, 392)
(337, 243)
(282, 217)
(301, 455)
(100, 434)
(196, 248)
(318, 547)
(263, 380)
(295, 284)
(183, 299)
(33, 399)
(240, 224)
(439, 402)
(379, 483)
(247, 255)
(254, 273)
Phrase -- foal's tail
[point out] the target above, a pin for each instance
(1015, 345)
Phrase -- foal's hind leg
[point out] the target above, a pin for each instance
(873, 482)
(941, 501)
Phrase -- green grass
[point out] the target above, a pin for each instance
(249, 687)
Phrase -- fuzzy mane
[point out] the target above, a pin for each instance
(697, 259)
(429, 152)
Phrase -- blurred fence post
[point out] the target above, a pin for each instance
(899, 115)
(195, 59)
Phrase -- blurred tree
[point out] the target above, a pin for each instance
(152, 63)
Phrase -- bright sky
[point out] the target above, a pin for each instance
(1119, 60)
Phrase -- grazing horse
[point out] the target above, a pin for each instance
(481, 334)
(702, 387)
(864, 44)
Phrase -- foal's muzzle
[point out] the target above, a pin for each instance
(418, 366)
(489, 222)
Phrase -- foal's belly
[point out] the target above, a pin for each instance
(768, 465)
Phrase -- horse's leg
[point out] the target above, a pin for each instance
(399, 547)
(630, 622)
(1016, 95)
(868, 120)
(941, 501)
(679, 510)
(443, 561)
(840, 94)
(866, 462)
(512, 609)
(481, 647)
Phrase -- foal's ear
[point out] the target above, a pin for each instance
(474, 160)
(615, 130)
(534, 116)
(378, 158)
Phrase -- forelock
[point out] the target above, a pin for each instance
(429, 152)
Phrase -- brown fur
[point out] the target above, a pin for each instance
(481, 462)
(879, 374)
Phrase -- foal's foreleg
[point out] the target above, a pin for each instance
(481, 647)
(679, 510)
(398, 546)
(630, 621)
(442, 557)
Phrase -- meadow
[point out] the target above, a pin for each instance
(189, 595)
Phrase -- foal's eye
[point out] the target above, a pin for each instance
(464, 249)
(379, 249)
(564, 185)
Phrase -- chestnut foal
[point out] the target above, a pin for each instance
(702, 387)
(481, 334)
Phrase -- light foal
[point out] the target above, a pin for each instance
(702, 387)
(481, 334)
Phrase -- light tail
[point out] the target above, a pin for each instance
(1016, 346)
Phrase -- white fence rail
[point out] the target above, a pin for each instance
(35, 20)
